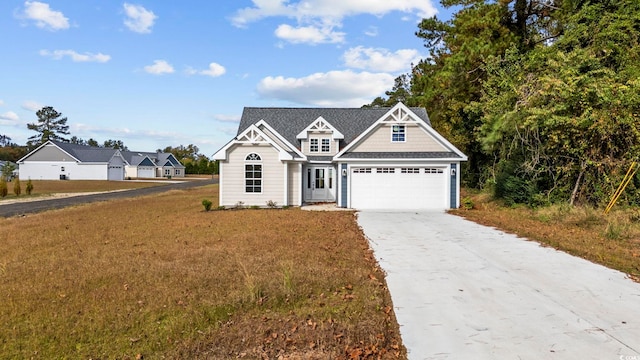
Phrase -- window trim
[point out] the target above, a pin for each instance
(314, 145)
(253, 165)
(398, 133)
(325, 142)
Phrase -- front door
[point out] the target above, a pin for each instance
(320, 184)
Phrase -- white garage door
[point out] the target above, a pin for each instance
(399, 188)
(115, 173)
(146, 172)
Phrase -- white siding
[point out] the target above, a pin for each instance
(233, 180)
(417, 140)
(45, 170)
(130, 171)
(294, 184)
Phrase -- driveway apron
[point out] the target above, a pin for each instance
(466, 291)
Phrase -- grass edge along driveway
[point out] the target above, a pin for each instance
(158, 276)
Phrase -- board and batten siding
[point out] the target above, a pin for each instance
(233, 181)
(416, 139)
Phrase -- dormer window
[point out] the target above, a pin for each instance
(326, 145)
(398, 133)
(320, 145)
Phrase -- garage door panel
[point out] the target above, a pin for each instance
(425, 188)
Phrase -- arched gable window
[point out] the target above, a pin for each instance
(253, 173)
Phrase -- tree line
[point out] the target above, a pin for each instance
(51, 125)
(542, 95)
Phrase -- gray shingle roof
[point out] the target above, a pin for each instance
(86, 153)
(289, 122)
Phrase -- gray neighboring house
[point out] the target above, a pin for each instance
(55, 160)
(363, 158)
(152, 165)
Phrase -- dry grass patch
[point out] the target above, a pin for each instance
(158, 276)
(612, 240)
(47, 187)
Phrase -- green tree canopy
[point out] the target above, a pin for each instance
(567, 116)
(50, 126)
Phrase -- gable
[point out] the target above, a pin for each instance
(416, 140)
(377, 141)
(291, 122)
(49, 152)
(146, 162)
(254, 136)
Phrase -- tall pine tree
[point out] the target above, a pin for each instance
(50, 126)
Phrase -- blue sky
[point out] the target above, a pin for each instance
(166, 73)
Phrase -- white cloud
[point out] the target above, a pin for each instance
(139, 19)
(10, 116)
(214, 70)
(32, 105)
(159, 67)
(44, 16)
(331, 9)
(76, 57)
(1, 103)
(375, 59)
(334, 88)
(372, 31)
(309, 34)
(328, 13)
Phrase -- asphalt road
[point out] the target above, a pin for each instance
(30, 207)
(461, 290)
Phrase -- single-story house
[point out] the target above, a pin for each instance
(363, 158)
(55, 160)
(152, 165)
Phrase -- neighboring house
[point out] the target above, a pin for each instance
(13, 174)
(66, 161)
(152, 165)
(364, 158)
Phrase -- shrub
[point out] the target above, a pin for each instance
(3, 187)
(16, 187)
(29, 188)
(207, 204)
(467, 203)
(222, 207)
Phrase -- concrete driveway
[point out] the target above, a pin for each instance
(465, 291)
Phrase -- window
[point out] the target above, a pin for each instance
(167, 172)
(253, 174)
(397, 133)
(385, 170)
(177, 171)
(61, 168)
(410, 170)
(313, 145)
(362, 170)
(433, 171)
(326, 145)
